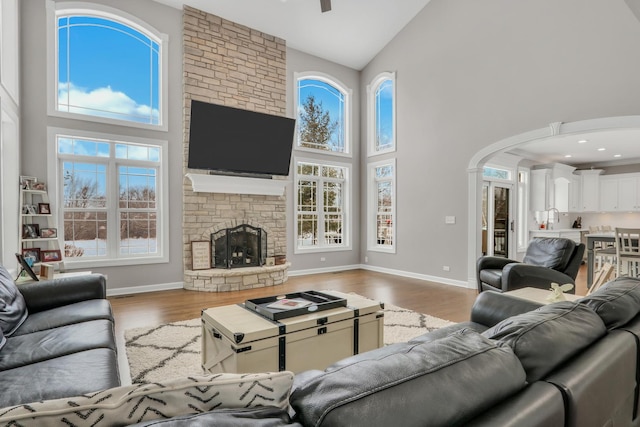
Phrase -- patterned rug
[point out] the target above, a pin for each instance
(173, 350)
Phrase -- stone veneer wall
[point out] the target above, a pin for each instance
(230, 64)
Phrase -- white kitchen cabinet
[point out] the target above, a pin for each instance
(590, 189)
(575, 194)
(540, 189)
(609, 193)
(567, 233)
(629, 193)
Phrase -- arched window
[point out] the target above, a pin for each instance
(109, 66)
(381, 95)
(323, 113)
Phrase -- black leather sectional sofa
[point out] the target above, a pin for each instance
(60, 339)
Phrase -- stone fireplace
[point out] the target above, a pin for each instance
(230, 64)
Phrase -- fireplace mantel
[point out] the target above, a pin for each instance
(202, 183)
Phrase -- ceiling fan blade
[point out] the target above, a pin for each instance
(325, 5)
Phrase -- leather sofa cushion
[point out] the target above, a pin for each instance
(13, 309)
(544, 338)
(64, 376)
(616, 302)
(440, 383)
(548, 252)
(36, 347)
(94, 309)
(144, 402)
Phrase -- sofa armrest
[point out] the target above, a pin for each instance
(516, 276)
(493, 262)
(48, 294)
(491, 307)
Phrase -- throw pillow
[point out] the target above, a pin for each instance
(616, 302)
(143, 402)
(13, 309)
(544, 338)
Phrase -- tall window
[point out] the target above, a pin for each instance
(382, 104)
(321, 206)
(110, 197)
(323, 114)
(382, 201)
(108, 66)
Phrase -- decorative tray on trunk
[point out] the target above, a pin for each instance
(294, 304)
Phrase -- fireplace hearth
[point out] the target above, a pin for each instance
(241, 246)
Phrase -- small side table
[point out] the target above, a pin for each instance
(539, 295)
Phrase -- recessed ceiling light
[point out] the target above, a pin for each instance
(567, 156)
(601, 149)
(617, 155)
(582, 141)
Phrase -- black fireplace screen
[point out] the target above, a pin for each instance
(241, 246)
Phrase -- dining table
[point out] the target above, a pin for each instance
(592, 238)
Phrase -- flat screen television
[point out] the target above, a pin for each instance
(231, 140)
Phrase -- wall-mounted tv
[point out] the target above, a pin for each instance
(227, 139)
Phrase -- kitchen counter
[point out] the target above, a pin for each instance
(574, 234)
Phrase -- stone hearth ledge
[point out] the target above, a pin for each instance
(235, 279)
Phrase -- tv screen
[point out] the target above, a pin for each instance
(240, 141)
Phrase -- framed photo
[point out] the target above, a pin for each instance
(26, 182)
(29, 210)
(39, 186)
(31, 255)
(51, 255)
(44, 209)
(24, 266)
(48, 233)
(200, 255)
(30, 231)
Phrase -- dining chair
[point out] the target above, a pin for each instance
(628, 251)
(603, 253)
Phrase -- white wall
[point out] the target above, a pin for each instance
(471, 73)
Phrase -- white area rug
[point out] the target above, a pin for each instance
(173, 350)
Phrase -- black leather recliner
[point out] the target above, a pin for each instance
(547, 260)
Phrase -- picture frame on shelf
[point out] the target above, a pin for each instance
(51, 255)
(200, 255)
(27, 181)
(24, 266)
(44, 209)
(33, 254)
(38, 185)
(30, 231)
(48, 233)
(29, 210)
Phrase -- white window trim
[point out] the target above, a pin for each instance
(522, 209)
(371, 113)
(347, 207)
(53, 10)
(53, 179)
(372, 197)
(348, 94)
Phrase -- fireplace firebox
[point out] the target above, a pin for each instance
(241, 246)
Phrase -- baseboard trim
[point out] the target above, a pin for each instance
(144, 288)
(426, 277)
(293, 273)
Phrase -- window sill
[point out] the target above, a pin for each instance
(299, 251)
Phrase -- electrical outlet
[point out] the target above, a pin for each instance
(446, 268)
(322, 259)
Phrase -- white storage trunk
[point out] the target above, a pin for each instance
(235, 339)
